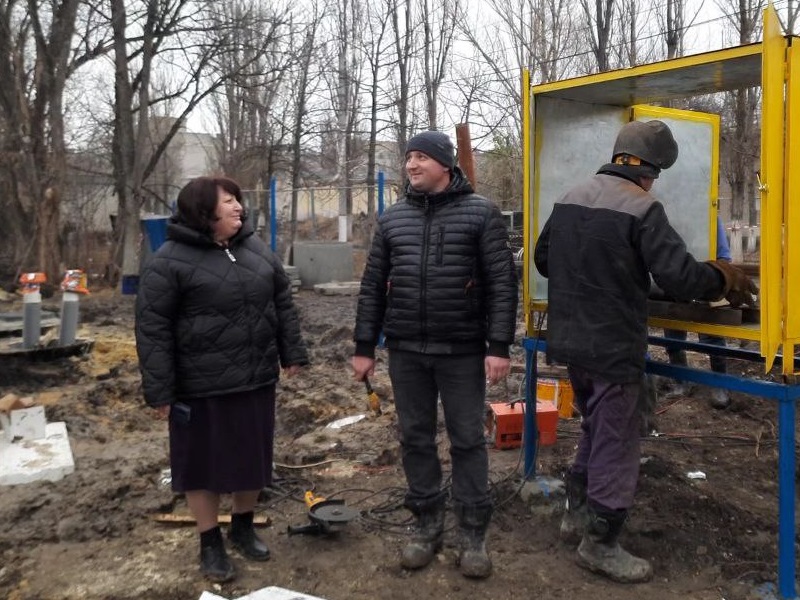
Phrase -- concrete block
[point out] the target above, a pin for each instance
(323, 262)
(48, 459)
(338, 288)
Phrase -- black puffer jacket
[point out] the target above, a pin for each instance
(598, 248)
(440, 276)
(211, 320)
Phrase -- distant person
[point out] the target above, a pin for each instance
(215, 323)
(440, 283)
(677, 356)
(598, 248)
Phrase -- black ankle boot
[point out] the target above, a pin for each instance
(243, 537)
(214, 562)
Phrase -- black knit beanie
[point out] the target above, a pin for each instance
(435, 144)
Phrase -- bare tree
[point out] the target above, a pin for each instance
(302, 91)
(599, 16)
(741, 140)
(401, 18)
(189, 41)
(36, 59)
(345, 86)
(438, 20)
(533, 34)
(374, 50)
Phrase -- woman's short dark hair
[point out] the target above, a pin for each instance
(197, 201)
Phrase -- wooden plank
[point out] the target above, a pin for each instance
(699, 313)
(173, 519)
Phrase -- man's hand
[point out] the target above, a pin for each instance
(363, 366)
(162, 412)
(291, 370)
(497, 368)
(739, 288)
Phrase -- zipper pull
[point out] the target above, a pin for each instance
(230, 255)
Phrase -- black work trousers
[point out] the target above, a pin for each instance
(418, 381)
(677, 356)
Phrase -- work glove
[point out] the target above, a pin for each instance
(739, 288)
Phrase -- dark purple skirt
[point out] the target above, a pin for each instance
(223, 443)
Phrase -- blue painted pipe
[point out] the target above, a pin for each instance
(273, 214)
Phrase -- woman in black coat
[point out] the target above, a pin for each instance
(215, 323)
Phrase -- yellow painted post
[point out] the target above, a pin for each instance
(773, 66)
(791, 256)
(527, 210)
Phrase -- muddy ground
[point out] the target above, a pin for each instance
(92, 534)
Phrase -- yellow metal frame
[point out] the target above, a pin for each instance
(773, 64)
(527, 214)
(791, 263)
(658, 112)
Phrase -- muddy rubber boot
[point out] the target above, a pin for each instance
(214, 562)
(601, 553)
(427, 536)
(576, 515)
(244, 538)
(720, 399)
(473, 561)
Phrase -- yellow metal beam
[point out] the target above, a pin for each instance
(791, 255)
(527, 209)
(717, 71)
(773, 73)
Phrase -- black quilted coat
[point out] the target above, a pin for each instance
(440, 276)
(211, 320)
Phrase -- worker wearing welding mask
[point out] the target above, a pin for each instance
(598, 249)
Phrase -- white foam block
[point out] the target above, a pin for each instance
(276, 593)
(268, 593)
(45, 459)
(27, 423)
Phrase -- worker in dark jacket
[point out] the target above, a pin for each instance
(440, 283)
(214, 324)
(603, 240)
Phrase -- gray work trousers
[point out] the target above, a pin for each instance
(418, 381)
(608, 449)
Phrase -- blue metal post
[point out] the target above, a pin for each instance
(786, 497)
(381, 181)
(273, 214)
(530, 427)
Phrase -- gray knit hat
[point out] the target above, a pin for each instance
(435, 144)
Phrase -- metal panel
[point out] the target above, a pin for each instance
(772, 182)
(688, 190)
(573, 140)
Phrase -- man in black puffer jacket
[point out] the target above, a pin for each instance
(440, 283)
